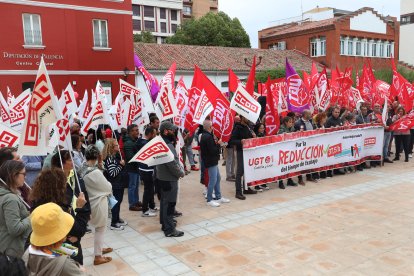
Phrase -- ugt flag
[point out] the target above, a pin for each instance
(297, 94)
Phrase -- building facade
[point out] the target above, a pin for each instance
(407, 32)
(199, 8)
(81, 42)
(338, 38)
(160, 17)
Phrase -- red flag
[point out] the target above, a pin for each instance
(251, 79)
(314, 75)
(272, 114)
(306, 80)
(405, 123)
(233, 81)
(193, 97)
(222, 116)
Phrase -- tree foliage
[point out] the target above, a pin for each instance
(144, 36)
(213, 29)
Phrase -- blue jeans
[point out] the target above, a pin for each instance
(190, 155)
(133, 185)
(387, 139)
(213, 183)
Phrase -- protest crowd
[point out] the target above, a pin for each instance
(52, 194)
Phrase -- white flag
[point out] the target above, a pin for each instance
(155, 152)
(203, 109)
(8, 136)
(43, 110)
(245, 105)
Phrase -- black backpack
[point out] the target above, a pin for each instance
(12, 266)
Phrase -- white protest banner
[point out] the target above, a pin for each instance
(276, 157)
(8, 136)
(245, 105)
(155, 152)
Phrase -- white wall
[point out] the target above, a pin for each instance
(368, 22)
(170, 4)
(406, 43)
(407, 6)
(316, 16)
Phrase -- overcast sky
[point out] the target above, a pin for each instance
(258, 14)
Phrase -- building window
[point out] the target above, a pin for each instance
(323, 46)
(350, 47)
(149, 26)
(100, 33)
(174, 15)
(149, 11)
(163, 13)
(187, 10)
(358, 49)
(136, 25)
(32, 29)
(173, 28)
(388, 50)
(381, 49)
(313, 48)
(342, 46)
(163, 27)
(136, 10)
(374, 50)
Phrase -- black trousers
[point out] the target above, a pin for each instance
(167, 207)
(411, 140)
(119, 195)
(239, 172)
(148, 196)
(402, 142)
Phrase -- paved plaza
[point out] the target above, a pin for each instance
(357, 224)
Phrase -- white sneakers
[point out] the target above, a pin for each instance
(213, 203)
(223, 200)
(216, 203)
(149, 213)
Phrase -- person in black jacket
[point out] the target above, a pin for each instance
(241, 131)
(210, 153)
(147, 175)
(113, 171)
(130, 149)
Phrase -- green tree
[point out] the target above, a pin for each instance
(213, 29)
(144, 36)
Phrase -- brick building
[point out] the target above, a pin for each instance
(198, 8)
(338, 38)
(81, 42)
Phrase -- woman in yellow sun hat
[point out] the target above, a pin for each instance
(51, 226)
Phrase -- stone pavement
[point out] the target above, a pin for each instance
(357, 224)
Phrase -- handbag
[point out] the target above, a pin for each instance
(112, 201)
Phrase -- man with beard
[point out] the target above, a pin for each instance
(167, 176)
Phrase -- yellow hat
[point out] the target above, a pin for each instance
(50, 224)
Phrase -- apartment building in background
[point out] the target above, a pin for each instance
(160, 17)
(198, 8)
(340, 38)
(407, 32)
